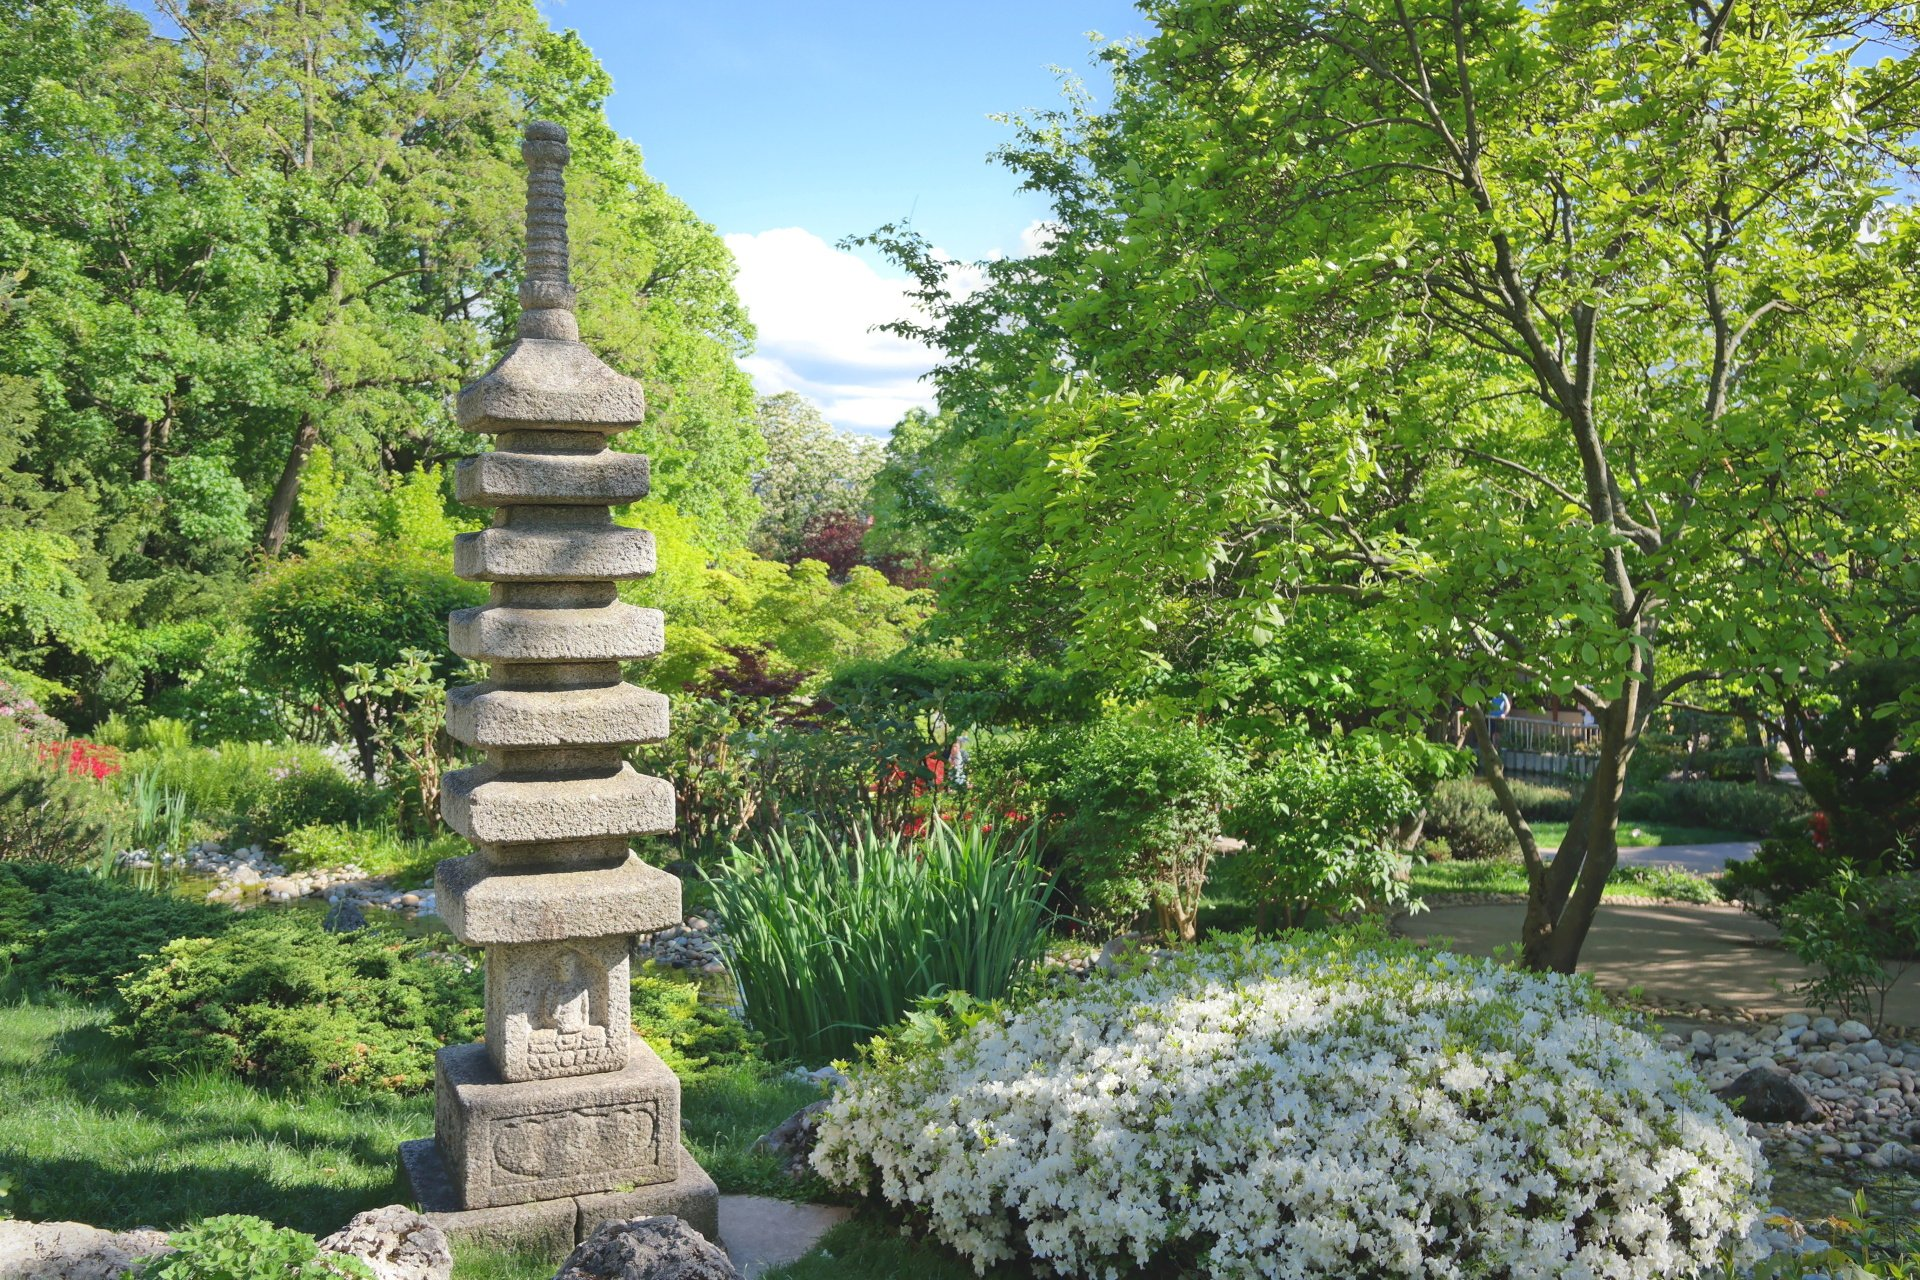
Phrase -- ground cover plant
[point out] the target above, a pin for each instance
(279, 999)
(80, 933)
(1311, 1107)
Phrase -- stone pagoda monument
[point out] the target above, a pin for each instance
(563, 1119)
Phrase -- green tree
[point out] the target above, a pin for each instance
(811, 471)
(324, 623)
(1548, 335)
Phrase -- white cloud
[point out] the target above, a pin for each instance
(1038, 236)
(815, 307)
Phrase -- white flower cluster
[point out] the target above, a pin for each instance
(1294, 1110)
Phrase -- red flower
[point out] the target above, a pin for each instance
(82, 758)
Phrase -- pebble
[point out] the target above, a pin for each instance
(1869, 1094)
(694, 944)
(247, 874)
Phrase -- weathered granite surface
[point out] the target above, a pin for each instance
(561, 1104)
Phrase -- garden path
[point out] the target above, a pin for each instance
(1678, 954)
(1701, 859)
(760, 1233)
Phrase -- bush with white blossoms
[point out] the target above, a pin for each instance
(1337, 1107)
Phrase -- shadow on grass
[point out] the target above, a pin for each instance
(91, 1139)
(873, 1246)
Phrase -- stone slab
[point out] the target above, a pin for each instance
(581, 553)
(490, 807)
(485, 715)
(691, 1197)
(502, 477)
(507, 1143)
(485, 905)
(616, 632)
(762, 1233)
(544, 1228)
(554, 384)
(551, 1228)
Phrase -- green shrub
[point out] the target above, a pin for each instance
(1861, 769)
(1542, 803)
(1317, 821)
(76, 932)
(828, 943)
(378, 850)
(1858, 934)
(260, 791)
(693, 1037)
(1753, 808)
(314, 617)
(236, 1247)
(1139, 806)
(1464, 813)
(49, 813)
(278, 999)
(1779, 871)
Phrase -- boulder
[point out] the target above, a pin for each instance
(396, 1244)
(1769, 1095)
(73, 1250)
(647, 1249)
(793, 1138)
(344, 916)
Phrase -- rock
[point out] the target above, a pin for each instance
(1855, 1031)
(1769, 1095)
(73, 1250)
(344, 916)
(1127, 951)
(396, 1244)
(793, 1138)
(647, 1249)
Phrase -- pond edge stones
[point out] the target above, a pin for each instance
(562, 1118)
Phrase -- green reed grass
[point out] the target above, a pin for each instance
(830, 939)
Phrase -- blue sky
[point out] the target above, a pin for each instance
(789, 125)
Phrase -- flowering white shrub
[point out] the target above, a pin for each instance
(1347, 1109)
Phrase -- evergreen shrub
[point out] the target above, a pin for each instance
(1464, 813)
(79, 933)
(279, 1000)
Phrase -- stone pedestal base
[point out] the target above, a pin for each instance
(551, 1228)
(505, 1144)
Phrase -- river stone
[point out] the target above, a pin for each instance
(396, 1244)
(73, 1250)
(793, 1139)
(1769, 1095)
(344, 916)
(647, 1249)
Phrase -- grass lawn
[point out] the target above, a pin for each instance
(1634, 835)
(86, 1138)
(1504, 875)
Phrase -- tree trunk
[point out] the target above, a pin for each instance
(287, 491)
(1563, 894)
(360, 726)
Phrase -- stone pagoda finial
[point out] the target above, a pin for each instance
(546, 295)
(562, 1118)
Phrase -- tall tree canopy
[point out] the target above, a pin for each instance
(276, 226)
(1555, 339)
